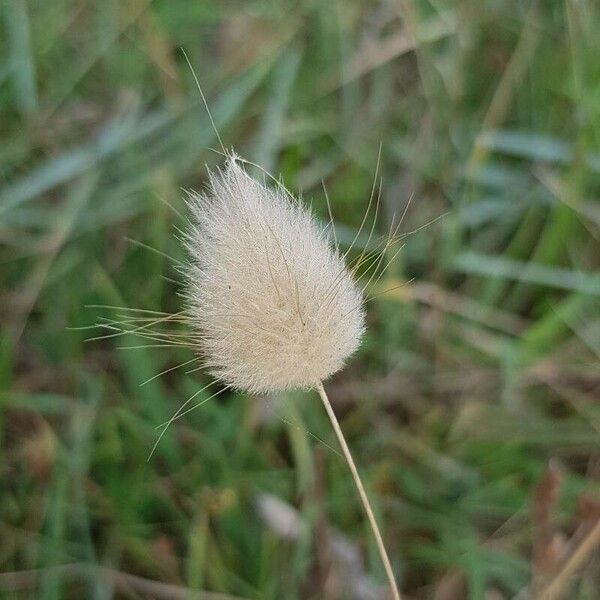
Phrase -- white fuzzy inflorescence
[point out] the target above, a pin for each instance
(271, 300)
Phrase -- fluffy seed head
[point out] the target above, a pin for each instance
(273, 303)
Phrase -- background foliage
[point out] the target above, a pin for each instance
(472, 406)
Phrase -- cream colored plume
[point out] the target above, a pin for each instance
(271, 299)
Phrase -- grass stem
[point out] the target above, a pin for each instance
(557, 587)
(361, 492)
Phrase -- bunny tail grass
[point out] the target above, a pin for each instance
(361, 492)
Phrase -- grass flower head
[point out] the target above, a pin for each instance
(271, 299)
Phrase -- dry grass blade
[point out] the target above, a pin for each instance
(20, 581)
(560, 583)
(544, 554)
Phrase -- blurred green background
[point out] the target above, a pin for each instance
(472, 406)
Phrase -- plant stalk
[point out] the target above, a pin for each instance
(361, 492)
